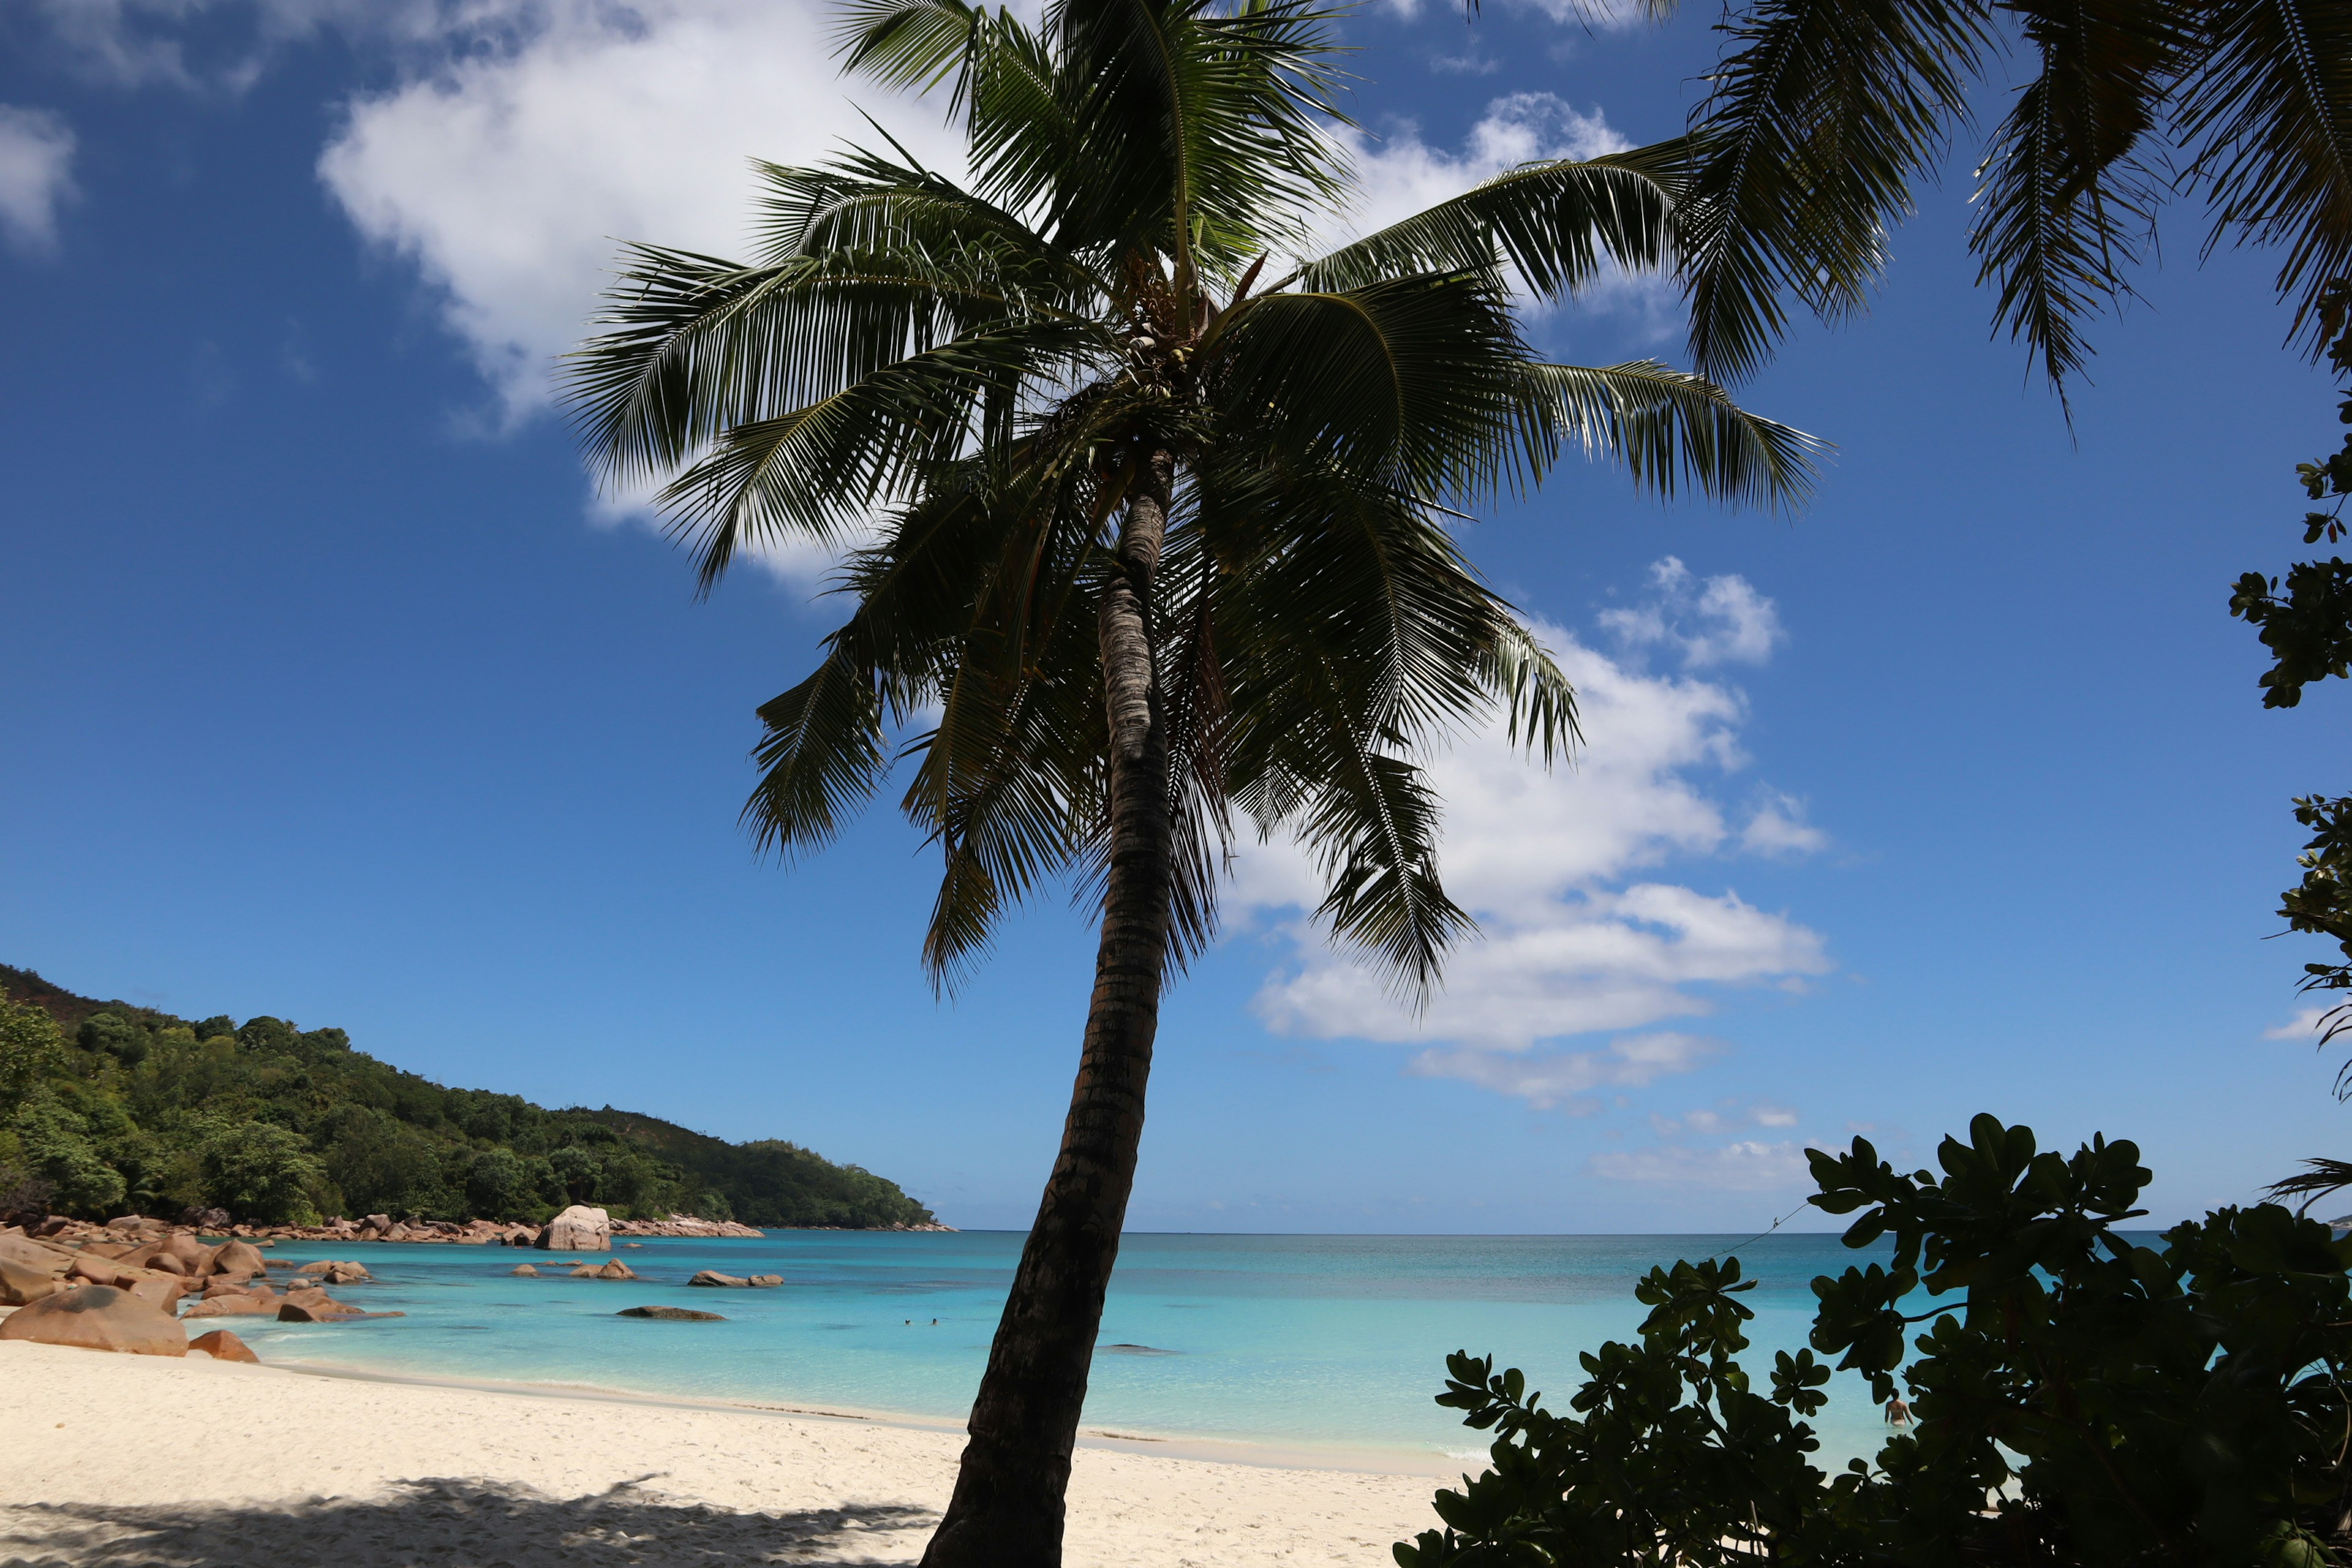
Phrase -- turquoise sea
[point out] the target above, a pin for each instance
(1305, 1346)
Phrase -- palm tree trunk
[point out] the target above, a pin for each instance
(1007, 1508)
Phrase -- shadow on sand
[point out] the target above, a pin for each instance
(457, 1524)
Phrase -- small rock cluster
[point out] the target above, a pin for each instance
(567, 1232)
(129, 1285)
(687, 1225)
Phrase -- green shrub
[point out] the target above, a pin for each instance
(31, 1048)
(2079, 1400)
(58, 1153)
(261, 1173)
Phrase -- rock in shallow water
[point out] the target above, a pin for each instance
(711, 1277)
(578, 1229)
(670, 1314)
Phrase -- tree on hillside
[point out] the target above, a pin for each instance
(1823, 113)
(1159, 527)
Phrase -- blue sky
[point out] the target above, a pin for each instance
(330, 689)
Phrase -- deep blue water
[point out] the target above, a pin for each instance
(1304, 1342)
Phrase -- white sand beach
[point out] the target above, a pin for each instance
(109, 1459)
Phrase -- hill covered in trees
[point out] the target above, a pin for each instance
(107, 1107)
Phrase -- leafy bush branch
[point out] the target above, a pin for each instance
(2075, 1396)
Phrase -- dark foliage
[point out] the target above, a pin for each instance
(105, 1106)
(1823, 117)
(2076, 1398)
(2308, 630)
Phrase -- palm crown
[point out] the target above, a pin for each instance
(985, 371)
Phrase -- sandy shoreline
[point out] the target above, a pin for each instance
(1365, 1459)
(116, 1459)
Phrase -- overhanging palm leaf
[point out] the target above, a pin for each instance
(1668, 427)
(2064, 198)
(1825, 113)
(1821, 115)
(1154, 549)
(1551, 222)
(2269, 105)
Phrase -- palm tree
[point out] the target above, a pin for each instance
(1142, 529)
(1822, 113)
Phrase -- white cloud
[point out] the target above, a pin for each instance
(1575, 940)
(2305, 1024)
(1400, 175)
(510, 170)
(1719, 620)
(511, 164)
(209, 46)
(36, 151)
(1554, 1079)
(1745, 1166)
(1728, 1117)
(1779, 827)
(1600, 960)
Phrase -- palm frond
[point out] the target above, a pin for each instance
(1668, 426)
(2315, 1181)
(1552, 222)
(1816, 124)
(703, 345)
(2269, 107)
(820, 757)
(907, 44)
(820, 470)
(2062, 200)
(1203, 133)
(1413, 379)
(1538, 702)
(1196, 704)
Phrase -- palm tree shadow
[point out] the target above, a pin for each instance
(457, 1523)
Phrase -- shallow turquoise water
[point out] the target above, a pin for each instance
(1304, 1342)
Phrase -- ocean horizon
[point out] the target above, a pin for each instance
(1324, 1348)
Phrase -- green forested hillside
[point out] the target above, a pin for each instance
(107, 1107)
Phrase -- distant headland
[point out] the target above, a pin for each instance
(268, 1127)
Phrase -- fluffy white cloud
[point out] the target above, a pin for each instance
(1574, 942)
(1556, 1079)
(1589, 962)
(1400, 175)
(36, 151)
(537, 137)
(1746, 1166)
(1779, 827)
(1719, 620)
(511, 168)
